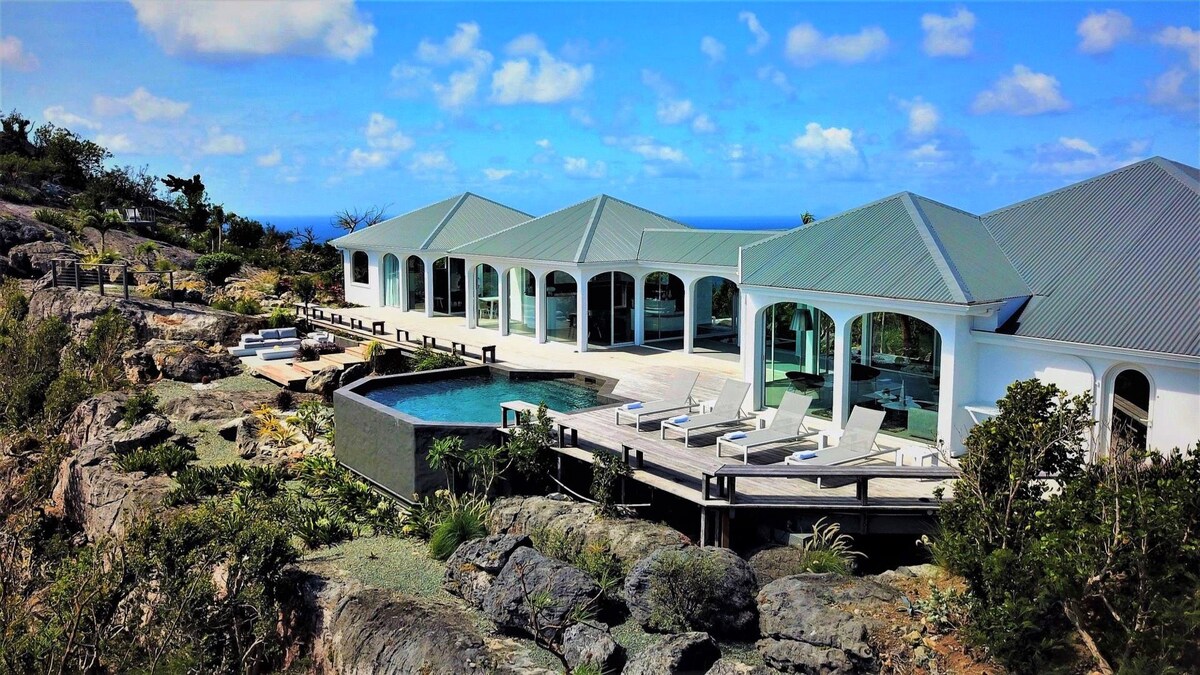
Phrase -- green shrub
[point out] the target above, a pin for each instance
(197, 482)
(320, 525)
(14, 194)
(140, 404)
(165, 458)
(465, 520)
(429, 359)
(163, 265)
(683, 589)
(312, 418)
(218, 267)
(608, 470)
(594, 558)
(828, 550)
(248, 306)
(222, 305)
(281, 317)
(53, 217)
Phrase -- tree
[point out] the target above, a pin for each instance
(218, 267)
(218, 219)
(102, 223)
(807, 218)
(351, 219)
(195, 202)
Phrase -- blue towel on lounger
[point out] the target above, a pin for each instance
(633, 406)
(681, 419)
(804, 454)
(734, 435)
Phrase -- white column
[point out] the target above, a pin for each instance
(403, 283)
(428, 286)
(581, 314)
(751, 331)
(689, 315)
(841, 369)
(868, 339)
(472, 294)
(539, 306)
(957, 378)
(639, 310)
(502, 289)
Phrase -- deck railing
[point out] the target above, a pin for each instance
(86, 276)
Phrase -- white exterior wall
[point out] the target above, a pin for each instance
(368, 294)
(1175, 382)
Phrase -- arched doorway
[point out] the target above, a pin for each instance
(798, 355)
(716, 307)
(522, 302)
(663, 308)
(1130, 414)
(391, 281)
(487, 296)
(415, 271)
(610, 309)
(449, 286)
(561, 293)
(896, 363)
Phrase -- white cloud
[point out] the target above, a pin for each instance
(528, 44)
(1182, 38)
(712, 48)
(56, 114)
(262, 28)
(948, 35)
(923, 116)
(361, 160)
(497, 174)
(1099, 32)
(827, 147)
(777, 77)
(549, 81)
(410, 81)
(13, 54)
(220, 143)
(674, 111)
(1024, 92)
(543, 143)
(580, 167)
(461, 45)
(1168, 90)
(460, 88)
(1071, 156)
(658, 152)
(806, 46)
(928, 155)
(761, 36)
(115, 142)
(582, 116)
(431, 162)
(382, 134)
(143, 105)
(272, 158)
(702, 124)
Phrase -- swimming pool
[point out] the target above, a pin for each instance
(476, 399)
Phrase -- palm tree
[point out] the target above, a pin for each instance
(218, 220)
(807, 218)
(102, 223)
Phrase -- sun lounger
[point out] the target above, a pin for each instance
(677, 398)
(726, 410)
(855, 442)
(787, 425)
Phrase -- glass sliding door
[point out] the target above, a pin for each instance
(561, 293)
(415, 269)
(663, 307)
(610, 309)
(391, 281)
(450, 287)
(798, 355)
(522, 302)
(487, 297)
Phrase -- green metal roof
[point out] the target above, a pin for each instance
(601, 229)
(904, 246)
(1112, 260)
(697, 247)
(437, 227)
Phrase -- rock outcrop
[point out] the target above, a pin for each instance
(474, 565)
(592, 644)
(33, 259)
(629, 539)
(684, 653)
(214, 405)
(365, 631)
(569, 592)
(730, 667)
(126, 243)
(727, 606)
(807, 624)
(100, 498)
(95, 418)
(150, 318)
(324, 381)
(191, 361)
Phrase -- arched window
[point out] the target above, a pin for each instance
(358, 268)
(1130, 418)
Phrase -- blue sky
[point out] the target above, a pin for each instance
(686, 109)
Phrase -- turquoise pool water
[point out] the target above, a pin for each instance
(478, 399)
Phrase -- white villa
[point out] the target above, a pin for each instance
(1095, 287)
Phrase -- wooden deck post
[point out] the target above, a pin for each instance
(725, 518)
(125, 280)
(171, 278)
(703, 526)
(100, 277)
(75, 266)
(54, 273)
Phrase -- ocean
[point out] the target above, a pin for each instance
(326, 231)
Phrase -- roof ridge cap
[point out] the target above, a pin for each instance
(1065, 188)
(933, 244)
(445, 219)
(593, 222)
(1172, 168)
(652, 213)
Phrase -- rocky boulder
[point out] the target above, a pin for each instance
(125, 244)
(33, 259)
(214, 405)
(248, 442)
(150, 318)
(102, 500)
(17, 227)
(592, 644)
(324, 381)
(730, 667)
(360, 631)
(191, 361)
(808, 625)
(149, 431)
(139, 366)
(685, 653)
(352, 373)
(719, 586)
(629, 539)
(95, 418)
(474, 565)
(528, 573)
